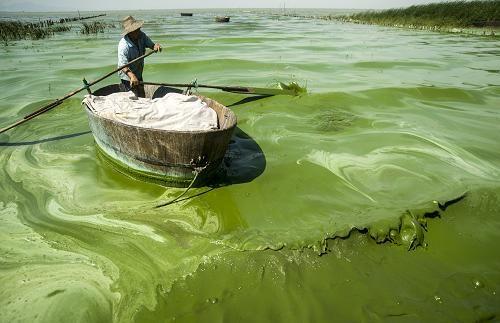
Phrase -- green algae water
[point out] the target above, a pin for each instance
(373, 197)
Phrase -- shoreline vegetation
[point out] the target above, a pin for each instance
(94, 27)
(19, 30)
(480, 17)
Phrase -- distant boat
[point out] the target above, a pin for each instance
(222, 19)
(186, 14)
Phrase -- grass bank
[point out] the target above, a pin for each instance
(459, 16)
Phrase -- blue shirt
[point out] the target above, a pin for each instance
(128, 51)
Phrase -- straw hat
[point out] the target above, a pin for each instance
(130, 24)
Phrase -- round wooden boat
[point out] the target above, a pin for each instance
(171, 158)
(222, 19)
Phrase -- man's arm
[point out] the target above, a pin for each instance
(122, 60)
(149, 44)
(133, 79)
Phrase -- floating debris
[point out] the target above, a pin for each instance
(294, 86)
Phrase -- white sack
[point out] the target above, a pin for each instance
(174, 111)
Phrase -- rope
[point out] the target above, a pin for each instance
(181, 195)
(197, 171)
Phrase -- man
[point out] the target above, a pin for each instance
(132, 45)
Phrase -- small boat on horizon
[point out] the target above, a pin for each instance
(186, 14)
(222, 19)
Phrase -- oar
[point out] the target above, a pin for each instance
(57, 102)
(233, 89)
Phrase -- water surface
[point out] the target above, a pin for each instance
(395, 124)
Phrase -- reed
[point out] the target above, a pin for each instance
(94, 27)
(16, 30)
(62, 28)
(453, 14)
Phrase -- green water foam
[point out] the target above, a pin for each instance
(356, 280)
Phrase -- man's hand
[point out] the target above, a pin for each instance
(157, 48)
(134, 81)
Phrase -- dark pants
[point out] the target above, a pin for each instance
(138, 90)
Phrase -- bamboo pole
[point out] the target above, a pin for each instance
(57, 102)
(233, 89)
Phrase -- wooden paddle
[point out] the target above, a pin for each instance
(233, 89)
(57, 102)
